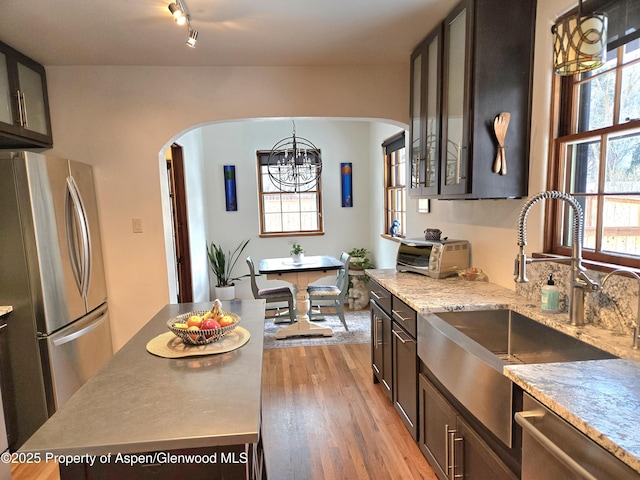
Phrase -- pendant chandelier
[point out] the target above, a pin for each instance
(579, 42)
(294, 164)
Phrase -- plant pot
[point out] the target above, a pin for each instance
(297, 257)
(226, 293)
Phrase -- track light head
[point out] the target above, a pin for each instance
(193, 37)
(178, 14)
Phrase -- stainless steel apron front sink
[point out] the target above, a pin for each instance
(467, 350)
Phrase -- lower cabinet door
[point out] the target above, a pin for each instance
(450, 445)
(437, 424)
(405, 377)
(381, 348)
(477, 460)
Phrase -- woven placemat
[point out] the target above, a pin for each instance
(167, 345)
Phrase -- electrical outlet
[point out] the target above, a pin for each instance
(136, 224)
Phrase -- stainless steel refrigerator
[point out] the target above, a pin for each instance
(52, 274)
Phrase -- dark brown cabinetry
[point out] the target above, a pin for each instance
(381, 348)
(486, 69)
(450, 445)
(405, 364)
(394, 353)
(425, 112)
(24, 105)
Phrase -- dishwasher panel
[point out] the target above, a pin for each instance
(553, 449)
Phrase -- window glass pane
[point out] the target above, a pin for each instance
(272, 223)
(623, 164)
(621, 225)
(596, 102)
(590, 209)
(309, 221)
(271, 203)
(291, 222)
(585, 165)
(631, 51)
(630, 93)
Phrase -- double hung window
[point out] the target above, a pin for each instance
(284, 211)
(395, 182)
(597, 147)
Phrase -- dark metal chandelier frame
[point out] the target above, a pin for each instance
(294, 164)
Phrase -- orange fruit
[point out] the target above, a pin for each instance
(194, 320)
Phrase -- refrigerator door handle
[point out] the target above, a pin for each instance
(78, 225)
(98, 318)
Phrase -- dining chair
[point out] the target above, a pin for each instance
(336, 293)
(272, 295)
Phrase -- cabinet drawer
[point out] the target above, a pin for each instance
(404, 315)
(381, 296)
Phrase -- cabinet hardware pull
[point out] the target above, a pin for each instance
(24, 107)
(3, 326)
(451, 469)
(377, 297)
(447, 465)
(409, 340)
(523, 418)
(397, 314)
(20, 118)
(453, 461)
(377, 334)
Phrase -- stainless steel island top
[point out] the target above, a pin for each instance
(140, 402)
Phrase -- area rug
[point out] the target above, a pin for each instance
(359, 323)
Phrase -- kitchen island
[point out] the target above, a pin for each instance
(600, 398)
(144, 416)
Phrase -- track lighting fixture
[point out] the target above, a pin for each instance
(181, 16)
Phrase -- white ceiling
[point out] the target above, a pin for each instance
(231, 32)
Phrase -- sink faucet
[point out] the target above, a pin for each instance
(580, 282)
(637, 277)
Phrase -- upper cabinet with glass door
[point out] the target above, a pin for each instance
(424, 167)
(488, 58)
(24, 106)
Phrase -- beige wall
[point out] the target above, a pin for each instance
(120, 118)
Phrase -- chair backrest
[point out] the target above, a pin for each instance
(252, 271)
(342, 281)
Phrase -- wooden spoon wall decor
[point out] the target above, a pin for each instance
(500, 125)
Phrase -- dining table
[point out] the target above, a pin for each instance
(301, 274)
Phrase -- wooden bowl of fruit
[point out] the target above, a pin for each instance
(201, 327)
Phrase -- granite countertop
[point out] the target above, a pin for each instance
(425, 294)
(601, 398)
(139, 402)
(5, 309)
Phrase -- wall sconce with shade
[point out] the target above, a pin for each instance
(294, 164)
(579, 42)
(181, 16)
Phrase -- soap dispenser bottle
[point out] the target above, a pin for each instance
(550, 296)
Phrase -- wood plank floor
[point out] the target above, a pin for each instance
(323, 418)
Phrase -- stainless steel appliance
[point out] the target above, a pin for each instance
(434, 258)
(51, 272)
(552, 448)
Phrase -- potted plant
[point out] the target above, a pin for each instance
(297, 253)
(359, 259)
(222, 265)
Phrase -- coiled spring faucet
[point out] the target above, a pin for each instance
(579, 279)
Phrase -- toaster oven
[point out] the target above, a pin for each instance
(434, 258)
